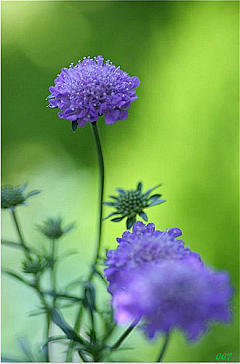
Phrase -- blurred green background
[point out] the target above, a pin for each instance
(182, 131)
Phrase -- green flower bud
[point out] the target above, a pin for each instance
(130, 203)
(53, 228)
(15, 196)
(35, 264)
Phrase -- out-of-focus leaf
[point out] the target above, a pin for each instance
(16, 276)
(59, 321)
(27, 350)
(38, 312)
(51, 339)
(156, 202)
(6, 359)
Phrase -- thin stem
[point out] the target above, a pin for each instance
(53, 269)
(101, 172)
(54, 282)
(164, 348)
(26, 250)
(98, 245)
(48, 316)
(124, 335)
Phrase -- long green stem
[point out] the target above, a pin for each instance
(48, 316)
(15, 219)
(98, 245)
(53, 269)
(164, 348)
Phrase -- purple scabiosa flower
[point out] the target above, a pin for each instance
(93, 88)
(154, 277)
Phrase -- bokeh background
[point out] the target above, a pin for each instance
(182, 131)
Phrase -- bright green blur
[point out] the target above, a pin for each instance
(182, 131)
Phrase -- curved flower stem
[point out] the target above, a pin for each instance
(164, 348)
(26, 250)
(124, 335)
(97, 140)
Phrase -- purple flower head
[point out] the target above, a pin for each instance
(154, 277)
(93, 88)
(146, 246)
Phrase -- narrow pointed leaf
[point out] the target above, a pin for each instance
(143, 215)
(130, 222)
(41, 311)
(16, 276)
(109, 203)
(156, 202)
(120, 190)
(51, 339)
(33, 193)
(114, 197)
(109, 215)
(71, 334)
(6, 359)
(117, 219)
(151, 189)
(154, 197)
(74, 126)
(139, 186)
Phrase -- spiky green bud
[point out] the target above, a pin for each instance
(130, 203)
(53, 228)
(12, 197)
(34, 264)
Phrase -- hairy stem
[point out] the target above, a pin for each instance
(164, 348)
(98, 245)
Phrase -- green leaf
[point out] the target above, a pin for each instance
(130, 222)
(74, 126)
(114, 197)
(51, 339)
(117, 219)
(139, 186)
(151, 189)
(27, 350)
(66, 254)
(33, 193)
(154, 197)
(109, 215)
(109, 203)
(16, 276)
(90, 296)
(77, 282)
(120, 190)
(143, 216)
(59, 321)
(156, 202)
(6, 359)
(12, 244)
(41, 311)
